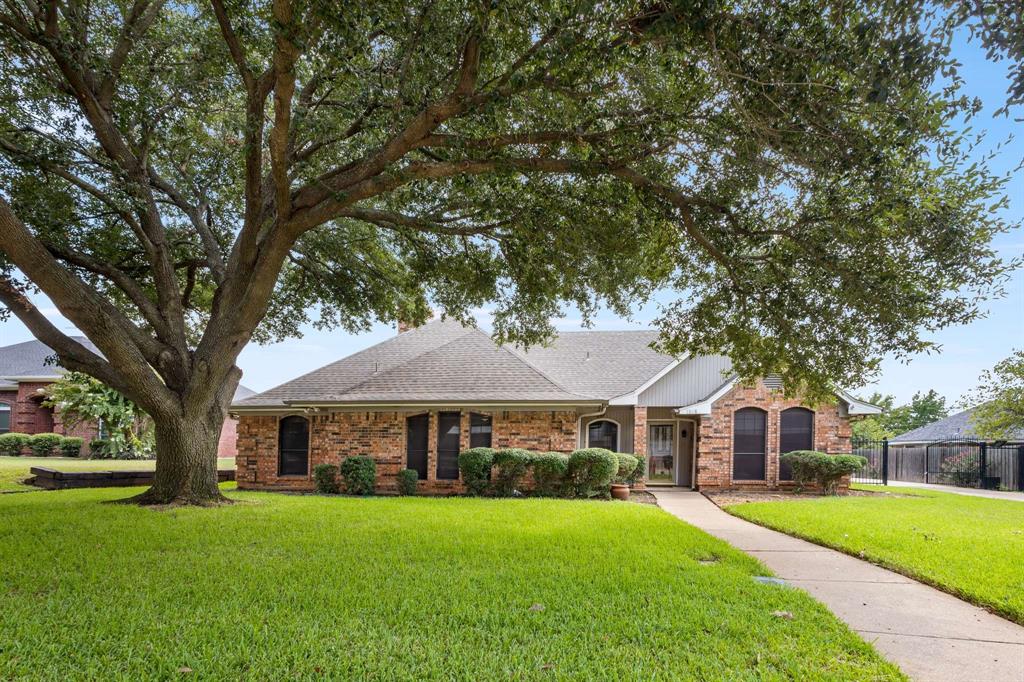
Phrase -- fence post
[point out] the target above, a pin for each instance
(982, 464)
(885, 461)
(1020, 468)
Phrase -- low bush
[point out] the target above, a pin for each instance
(71, 446)
(627, 468)
(99, 448)
(549, 473)
(639, 471)
(325, 479)
(825, 470)
(511, 465)
(11, 444)
(407, 479)
(475, 469)
(359, 474)
(591, 471)
(43, 444)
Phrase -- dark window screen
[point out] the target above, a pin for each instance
(293, 446)
(748, 435)
(5, 418)
(479, 431)
(796, 432)
(448, 445)
(603, 434)
(416, 443)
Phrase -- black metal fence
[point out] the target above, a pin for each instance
(876, 452)
(976, 464)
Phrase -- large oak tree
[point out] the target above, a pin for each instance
(180, 178)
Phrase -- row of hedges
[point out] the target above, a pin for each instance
(826, 471)
(584, 473)
(40, 444)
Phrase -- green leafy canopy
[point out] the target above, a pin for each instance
(211, 173)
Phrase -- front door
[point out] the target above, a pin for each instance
(661, 453)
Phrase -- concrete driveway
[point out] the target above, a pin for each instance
(929, 634)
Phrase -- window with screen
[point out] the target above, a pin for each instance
(479, 430)
(293, 446)
(748, 443)
(603, 434)
(796, 432)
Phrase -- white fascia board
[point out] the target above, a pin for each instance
(857, 407)
(25, 379)
(703, 407)
(632, 397)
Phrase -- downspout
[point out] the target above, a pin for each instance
(579, 424)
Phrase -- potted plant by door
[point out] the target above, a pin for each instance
(620, 484)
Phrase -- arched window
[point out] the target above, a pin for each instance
(748, 441)
(603, 433)
(5, 417)
(796, 432)
(293, 446)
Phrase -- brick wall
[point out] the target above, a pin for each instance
(227, 445)
(28, 415)
(382, 435)
(714, 450)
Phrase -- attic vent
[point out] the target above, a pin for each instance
(773, 382)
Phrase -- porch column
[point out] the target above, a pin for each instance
(640, 441)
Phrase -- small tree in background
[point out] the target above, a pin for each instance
(923, 408)
(999, 400)
(80, 398)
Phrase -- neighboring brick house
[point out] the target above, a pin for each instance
(419, 398)
(27, 368)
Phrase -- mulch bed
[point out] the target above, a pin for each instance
(728, 497)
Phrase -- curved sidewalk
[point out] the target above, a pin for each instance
(929, 634)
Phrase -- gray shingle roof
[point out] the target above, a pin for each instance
(952, 427)
(444, 361)
(29, 359)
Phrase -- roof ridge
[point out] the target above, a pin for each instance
(390, 339)
(521, 356)
(389, 370)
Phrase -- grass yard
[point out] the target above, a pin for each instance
(969, 546)
(13, 470)
(395, 588)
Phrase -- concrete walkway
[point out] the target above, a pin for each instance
(970, 492)
(929, 634)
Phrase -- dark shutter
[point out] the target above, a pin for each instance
(479, 430)
(448, 445)
(293, 447)
(603, 434)
(417, 434)
(748, 440)
(796, 432)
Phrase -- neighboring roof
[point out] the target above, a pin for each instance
(952, 427)
(242, 392)
(30, 359)
(439, 361)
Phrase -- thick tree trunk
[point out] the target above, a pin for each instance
(186, 462)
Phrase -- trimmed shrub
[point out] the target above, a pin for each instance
(407, 479)
(639, 471)
(627, 467)
(549, 473)
(823, 469)
(99, 449)
(359, 474)
(325, 479)
(11, 444)
(591, 471)
(43, 444)
(71, 446)
(511, 464)
(475, 469)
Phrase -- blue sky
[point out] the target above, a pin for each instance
(965, 351)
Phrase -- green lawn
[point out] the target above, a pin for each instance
(13, 470)
(286, 586)
(969, 546)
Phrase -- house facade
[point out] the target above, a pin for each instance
(416, 400)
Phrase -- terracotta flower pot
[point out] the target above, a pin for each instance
(620, 491)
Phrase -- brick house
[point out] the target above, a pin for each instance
(419, 398)
(26, 369)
